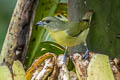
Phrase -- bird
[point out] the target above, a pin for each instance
(68, 34)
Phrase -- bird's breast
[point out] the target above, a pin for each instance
(64, 39)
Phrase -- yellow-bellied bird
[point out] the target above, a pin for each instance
(67, 34)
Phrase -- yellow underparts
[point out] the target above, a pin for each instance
(64, 39)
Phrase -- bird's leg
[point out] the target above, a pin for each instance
(65, 54)
(86, 53)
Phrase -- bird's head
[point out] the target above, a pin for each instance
(51, 23)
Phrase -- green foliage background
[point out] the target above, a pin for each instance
(6, 9)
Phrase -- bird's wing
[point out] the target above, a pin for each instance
(74, 29)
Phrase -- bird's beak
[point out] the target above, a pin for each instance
(40, 23)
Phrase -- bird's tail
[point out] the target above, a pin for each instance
(88, 16)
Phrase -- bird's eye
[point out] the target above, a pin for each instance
(47, 21)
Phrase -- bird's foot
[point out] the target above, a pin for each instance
(65, 55)
(85, 57)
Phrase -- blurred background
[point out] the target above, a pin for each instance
(6, 9)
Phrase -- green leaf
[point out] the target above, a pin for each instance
(99, 68)
(18, 71)
(45, 8)
(44, 47)
(105, 27)
(5, 73)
